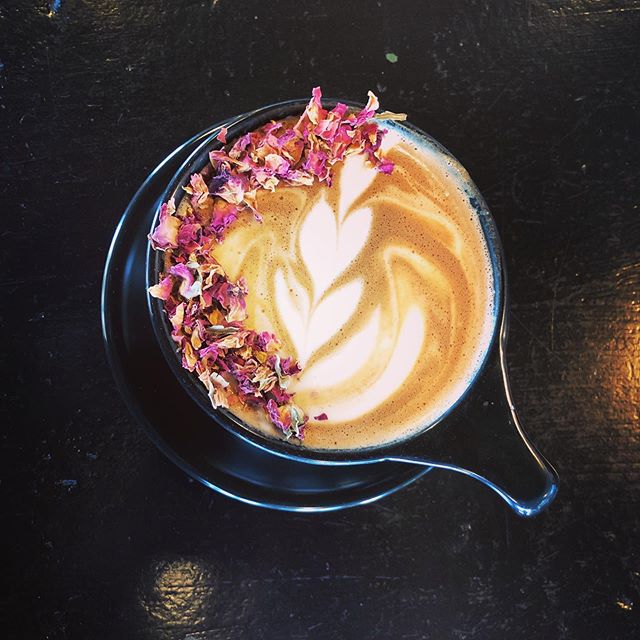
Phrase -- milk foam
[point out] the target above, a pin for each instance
(379, 285)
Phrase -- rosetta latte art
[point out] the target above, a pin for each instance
(379, 285)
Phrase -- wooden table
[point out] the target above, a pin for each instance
(106, 538)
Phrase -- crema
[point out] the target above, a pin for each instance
(380, 285)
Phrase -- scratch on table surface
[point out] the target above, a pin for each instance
(548, 556)
(500, 94)
(530, 333)
(324, 578)
(554, 300)
(293, 579)
(507, 530)
(217, 631)
(605, 11)
(463, 632)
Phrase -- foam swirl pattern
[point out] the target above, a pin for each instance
(380, 285)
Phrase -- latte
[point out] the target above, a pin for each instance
(380, 285)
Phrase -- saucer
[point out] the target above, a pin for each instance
(174, 422)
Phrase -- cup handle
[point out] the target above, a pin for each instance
(483, 438)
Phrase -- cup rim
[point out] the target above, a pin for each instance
(238, 125)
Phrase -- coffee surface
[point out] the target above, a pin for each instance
(380, 285)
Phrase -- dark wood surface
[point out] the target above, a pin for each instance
(106, 538)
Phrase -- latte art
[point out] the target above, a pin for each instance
(379, 285)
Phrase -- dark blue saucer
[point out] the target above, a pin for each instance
(180, 429)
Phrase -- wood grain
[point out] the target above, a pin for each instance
(106, 539)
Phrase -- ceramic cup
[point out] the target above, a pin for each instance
(480, 435)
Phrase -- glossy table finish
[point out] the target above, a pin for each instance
(106, 538)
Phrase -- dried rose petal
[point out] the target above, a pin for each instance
(289, 367)
(267, 342)
(233, 190)
(222, 136)
(198, 190)
(386, 166)
(162, 290)
(165, 235)
(177, 317)
(224, 215)
(369, 110)
(189, 287)
(277, 418)
(317, 164)
(189, 236)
